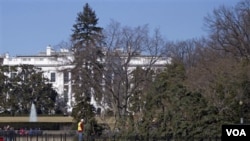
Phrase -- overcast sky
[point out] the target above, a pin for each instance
(28, 26)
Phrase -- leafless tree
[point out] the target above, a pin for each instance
(187, 52)
(127, 46)
(230, 29)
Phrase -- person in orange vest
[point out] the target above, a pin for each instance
(80, 128)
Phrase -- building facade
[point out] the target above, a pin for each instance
(56, 66)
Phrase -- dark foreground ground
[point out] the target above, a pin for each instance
(72, 136)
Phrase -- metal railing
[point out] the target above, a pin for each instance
(66, 137)
(72, 136)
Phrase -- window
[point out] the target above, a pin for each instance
(26, 59)
(53, 77)
(66, 89)
(13, 75)
(66, 77)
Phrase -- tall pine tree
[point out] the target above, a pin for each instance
(87, 41)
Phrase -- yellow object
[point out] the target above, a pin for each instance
(79, 128)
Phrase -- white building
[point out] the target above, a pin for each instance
(56, 66)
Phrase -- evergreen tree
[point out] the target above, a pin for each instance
(86, 75)
(171, 110)
(26, 85)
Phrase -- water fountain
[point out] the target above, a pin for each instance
(33, 114)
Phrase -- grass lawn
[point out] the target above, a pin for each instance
(39, 119)
(16, 120)
(51, 119)
(67, 119)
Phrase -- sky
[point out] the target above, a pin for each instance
(28, 26)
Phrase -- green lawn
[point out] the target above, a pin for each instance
(39, 119)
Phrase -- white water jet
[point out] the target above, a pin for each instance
(33, 114)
